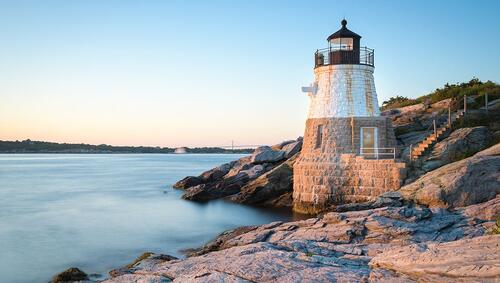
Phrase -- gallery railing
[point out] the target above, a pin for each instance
(343, 55)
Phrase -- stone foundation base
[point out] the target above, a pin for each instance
(350, 179)
(330, 171)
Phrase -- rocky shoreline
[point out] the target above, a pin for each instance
(398, 238)
(442, 226)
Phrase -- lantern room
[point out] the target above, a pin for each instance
(344, 48)
(344, 39)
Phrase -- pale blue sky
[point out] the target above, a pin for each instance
(173, 73)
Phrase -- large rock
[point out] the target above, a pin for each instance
(469, 181)
(281, 144)
(292, 148)
(209, 191)
(265, 154)
(355, 246)
(226, 180)
(269, 187)
(471, 260)
(212, 175)
(216, 173)
(72, 274)
(241, 164)
(254, 171)
(187, 182)
(460, 144)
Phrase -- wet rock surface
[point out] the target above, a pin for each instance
(451, 235)
(265, 178)
(403, 244)
(72, 274)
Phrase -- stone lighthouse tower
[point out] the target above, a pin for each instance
(349, 152)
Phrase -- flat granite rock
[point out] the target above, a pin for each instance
(476, 259)
(469, 181)
(388, 244)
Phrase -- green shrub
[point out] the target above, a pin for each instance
(496, 229)
(397, 102)
(474, 87)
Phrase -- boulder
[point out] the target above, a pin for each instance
(459, 144)
(138, 278)
(216, 173)
(255, 171)
(357, 246)
(243, 163)
(469, 181)
(209, 191)
(281, 144)
(187, 182)
(269, 186)
(266, 154)
(72, 274)
(486, 211)
(471, 260)
(292, 148)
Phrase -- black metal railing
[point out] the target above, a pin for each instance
(339, 56)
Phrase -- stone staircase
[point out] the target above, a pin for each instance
(431, 139)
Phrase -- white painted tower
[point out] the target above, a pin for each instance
(345, 138)
(343, 85)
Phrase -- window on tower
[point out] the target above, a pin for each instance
(342, 43)
(319, 136)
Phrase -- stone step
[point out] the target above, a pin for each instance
(432, 138)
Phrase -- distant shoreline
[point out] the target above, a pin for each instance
(42, 147)
(188, 153)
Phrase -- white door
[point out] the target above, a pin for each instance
(369, 144)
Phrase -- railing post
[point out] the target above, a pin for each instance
(449, 116)
(486, 101)
(435, 132)
(465, 103)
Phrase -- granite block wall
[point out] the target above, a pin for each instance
(334, 172)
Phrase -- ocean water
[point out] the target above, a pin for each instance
(101, 211)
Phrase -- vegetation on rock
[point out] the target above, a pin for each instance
(474, 87)
(70, 275)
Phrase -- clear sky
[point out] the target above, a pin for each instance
(202, 73)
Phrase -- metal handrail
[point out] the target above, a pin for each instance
(377, 152)
(338, 55)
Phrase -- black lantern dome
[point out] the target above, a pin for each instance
(344, 32)
(344, 48)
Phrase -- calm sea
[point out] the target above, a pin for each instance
(99, 212)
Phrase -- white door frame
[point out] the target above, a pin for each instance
(375, 139)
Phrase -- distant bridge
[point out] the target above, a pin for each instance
(234, 146)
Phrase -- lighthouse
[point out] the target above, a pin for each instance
(349, 150)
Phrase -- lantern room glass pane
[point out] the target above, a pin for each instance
(342, 43)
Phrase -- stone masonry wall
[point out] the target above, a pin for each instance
(334, 174)
(338, 136)
(318, 185)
